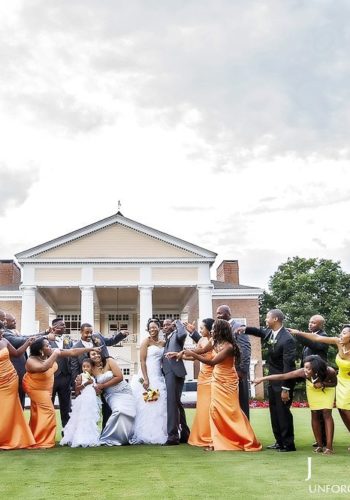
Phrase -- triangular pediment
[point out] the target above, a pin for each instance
(116, 238)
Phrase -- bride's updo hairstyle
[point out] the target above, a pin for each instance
(153, 320)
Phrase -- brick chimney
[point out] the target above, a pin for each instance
(10, 273)
(228, 272)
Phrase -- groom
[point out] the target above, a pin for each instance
(174, 373)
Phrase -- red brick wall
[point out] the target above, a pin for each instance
(228, 271)
(14, 307)
(10, 273)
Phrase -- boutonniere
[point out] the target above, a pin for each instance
(66, 341)
(272, 341)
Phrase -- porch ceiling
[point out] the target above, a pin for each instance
(108, 298)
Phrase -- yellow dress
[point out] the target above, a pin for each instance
(320, 399)
(14, 430)
(342, 392)
(42, 412)
(230, 428)
(200, 432)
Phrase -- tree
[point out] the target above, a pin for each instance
(304, 287)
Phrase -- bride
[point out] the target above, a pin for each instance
(118, 395)
(151, 416)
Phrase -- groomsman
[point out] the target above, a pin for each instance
(63, 376)
(224, 312)
(174, 372)
(280, 359)
(89, 339)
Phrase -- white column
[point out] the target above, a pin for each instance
(146, 310)
(28, 325)
(205, 302)
(87, 304)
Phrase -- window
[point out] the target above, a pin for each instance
(163, 316)
(72, 322)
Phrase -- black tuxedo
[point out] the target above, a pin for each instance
(63, 380)
(18, 362)
(313, 348)
(280, 359)
(175, 373)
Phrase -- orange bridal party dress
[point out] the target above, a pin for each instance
(42, 412)
(14, 430)
(200, 432)
(230, 428)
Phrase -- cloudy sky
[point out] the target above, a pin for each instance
(222, 122)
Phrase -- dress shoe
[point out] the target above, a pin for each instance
(285, 450)
(274, 446)
(171, 443)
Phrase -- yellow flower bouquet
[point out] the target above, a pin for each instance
(150, 395)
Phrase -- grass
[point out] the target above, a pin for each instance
(181, 472)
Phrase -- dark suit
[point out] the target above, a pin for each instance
(280, 359)
(243, 367)
(98, 341)
(175, 373)
(18, 362)
(76, 363)
(313, 348)
(63, 380)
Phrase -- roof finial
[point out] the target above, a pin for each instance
(119, 207)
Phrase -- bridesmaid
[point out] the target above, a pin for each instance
(200, 432)
(342, 391)
(14, 430)
(38, 382)
(230, 428)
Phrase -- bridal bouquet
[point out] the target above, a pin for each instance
(151, 395)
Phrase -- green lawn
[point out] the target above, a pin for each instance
(180, 472)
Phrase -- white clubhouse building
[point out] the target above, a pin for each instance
(116, 274)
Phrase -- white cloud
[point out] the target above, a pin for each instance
(223, 123)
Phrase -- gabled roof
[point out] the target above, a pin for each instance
(184, 250)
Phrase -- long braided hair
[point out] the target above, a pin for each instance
(222, 333)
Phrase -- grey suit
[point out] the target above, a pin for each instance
(175, 373)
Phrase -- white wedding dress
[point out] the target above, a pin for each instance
(151, 417)
(81, 428)
(120, 425)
